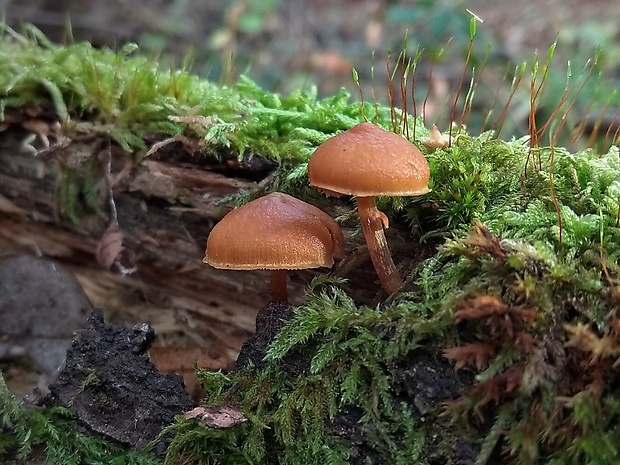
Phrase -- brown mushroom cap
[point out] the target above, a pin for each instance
(276, 231)
(366, 161)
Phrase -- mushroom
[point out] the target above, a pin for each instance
(276, 232)
(367, 161)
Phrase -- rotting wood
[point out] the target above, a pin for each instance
(165, 212)
(166, 206)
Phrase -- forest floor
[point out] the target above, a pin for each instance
(285, 45)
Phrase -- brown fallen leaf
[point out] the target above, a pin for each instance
(110, 246)
(112, 254)
(214, 416)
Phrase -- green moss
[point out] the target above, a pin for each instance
(27, 432)
(81, 191)
(531, 348)
(350, 364)
(541, 394)
(128, 97)
(475, 178)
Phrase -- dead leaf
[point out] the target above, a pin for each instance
(214, 416)
(478, 353)
(436, 139)
(110, 246)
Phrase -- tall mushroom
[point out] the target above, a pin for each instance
(276, 232)
(367, 161)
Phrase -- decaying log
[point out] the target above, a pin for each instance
(113, 389)
(165, 212)
(165, 207)
(60, 192)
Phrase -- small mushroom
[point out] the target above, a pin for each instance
(276, 232)
(367, 161)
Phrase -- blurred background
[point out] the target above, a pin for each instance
(286, 45)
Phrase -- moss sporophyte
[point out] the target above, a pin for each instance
(521, 287)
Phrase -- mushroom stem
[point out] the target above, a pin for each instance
(372, 225)
(279, 290)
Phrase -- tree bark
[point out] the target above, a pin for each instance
(165, 209)
(165, 206)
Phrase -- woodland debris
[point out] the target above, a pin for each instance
(113, 389)
(214, 416)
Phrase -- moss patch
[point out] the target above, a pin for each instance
(528, 301)
(29, 433)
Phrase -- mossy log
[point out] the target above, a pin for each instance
(165, 211)
(55, 201)
(170, 281)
